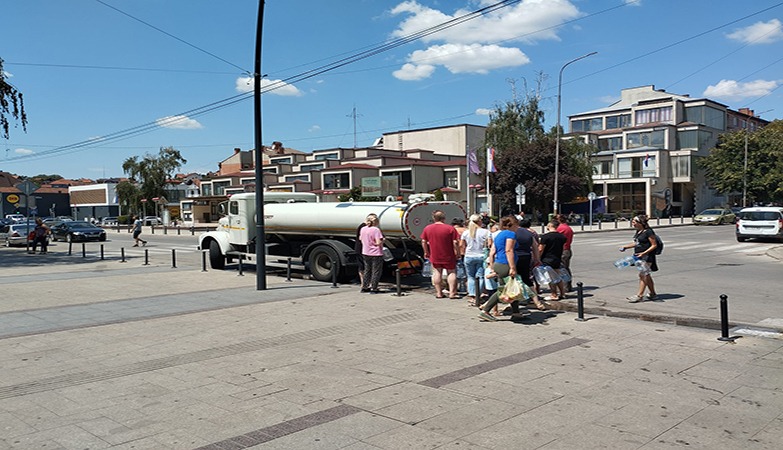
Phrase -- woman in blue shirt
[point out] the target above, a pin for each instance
(501, 256)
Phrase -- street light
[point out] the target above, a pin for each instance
(557, 142)
(745, 166)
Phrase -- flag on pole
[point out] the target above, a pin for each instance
(491, 160)
(647, 160)
(473, 165)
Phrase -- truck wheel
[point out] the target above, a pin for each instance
(216, 258)
(321, 263)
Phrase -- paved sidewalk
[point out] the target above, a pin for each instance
(103, 355)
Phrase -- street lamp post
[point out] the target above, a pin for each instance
(745, 165)
(557, 142)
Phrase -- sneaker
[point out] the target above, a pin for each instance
(144, 243)
(135, 245)
(634, 299)
(485, 317)
(652, 297)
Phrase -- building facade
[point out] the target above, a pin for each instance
(649, 143)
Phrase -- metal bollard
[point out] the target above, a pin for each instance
(70, 247)
(288, 271)
(146, 257)
(204, 261)
(173, 258)
(601, 221)
(724, 320)
(334, 274)
(122, 254)
(102, 252)
(152, 229)
(398, 282)
(657, 220)
(670, 220)
(84, 250)
(192, 231)
(580, 302)
(240, 274)
(179, 230)
(165, 229)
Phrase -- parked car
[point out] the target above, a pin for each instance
(108, 221)
(716, 216)
(152, 220)
(760, 222)
(16, 234)
(75, 231)
(17, 218)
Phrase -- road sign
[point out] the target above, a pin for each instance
(520, 189)
(591, 196)
(27, 187)
(521, 199)
(12, 198)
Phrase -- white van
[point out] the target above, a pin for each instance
(17, 218)
(760, 222)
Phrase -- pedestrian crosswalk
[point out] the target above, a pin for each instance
(683, 246)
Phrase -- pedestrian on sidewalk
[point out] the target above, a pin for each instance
(644, 245)
(551, 250)
(372, 252)
(40, 233)
(137, 232)
(566, 230)
(503, 263)
(475, 245)
(440, 242)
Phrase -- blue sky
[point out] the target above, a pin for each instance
(92, 68)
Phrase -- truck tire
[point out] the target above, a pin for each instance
(216, 259)
(321, 263)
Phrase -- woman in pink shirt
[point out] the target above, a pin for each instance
(372, 252)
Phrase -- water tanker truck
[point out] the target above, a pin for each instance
(320, 237)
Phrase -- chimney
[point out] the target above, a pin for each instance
(237, 150)
(747, 112)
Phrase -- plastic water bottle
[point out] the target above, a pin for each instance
(626, 261)
(641, 267)
(543, 275)
(426, 270)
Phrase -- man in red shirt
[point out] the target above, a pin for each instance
(564, 229)
(440, 242)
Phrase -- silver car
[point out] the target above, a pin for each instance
(16, 234)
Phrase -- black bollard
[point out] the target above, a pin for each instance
(724, 319)
(84, 250)
(657, 220)
(70, 247)
(288, 270)
(580, 302)
(240, 274)
(179, 230)
(165, 229)
(203, 261)
(122, 254)
(146, 257)
(102, 252)
(334, 274)
(398, 282)
(193, 231)
(152, 229)
(173, 258)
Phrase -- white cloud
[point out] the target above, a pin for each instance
(23, 151)
(178, 122)
(314, 129)
(734, 90)
(471, 47)
(483, 111)
(759, 33)
(278, 87)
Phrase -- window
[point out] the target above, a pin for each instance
(187, 206)
(311, 167)
(404, 176)
(603, 169)
(612, 143)
(654, 115)
(269, 170)
(649, 139)
(595, 124)
(246, 181)
(635, 167)
(451, 178)
(206, 190)
(694, 139)
(220, 187)
(337, 181)
(290, 178)
(286, 160)
(621, 121)
(705, 115)
(233, 208)
(681, 166)
(323, 156)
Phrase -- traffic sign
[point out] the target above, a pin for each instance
(12, 198)
(27, 187)
(520, 189)
(591, 196)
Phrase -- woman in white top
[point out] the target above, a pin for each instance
(474, 241)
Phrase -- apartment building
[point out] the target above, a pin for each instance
(649, 143)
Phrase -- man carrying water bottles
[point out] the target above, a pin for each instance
(551, 250)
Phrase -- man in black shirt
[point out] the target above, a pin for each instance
(551, 250)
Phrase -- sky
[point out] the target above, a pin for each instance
(105, 80)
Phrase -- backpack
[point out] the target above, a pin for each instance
(659, 245)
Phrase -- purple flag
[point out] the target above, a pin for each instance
(473, 165)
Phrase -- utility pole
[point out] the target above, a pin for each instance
(259, 152)
(354, 116)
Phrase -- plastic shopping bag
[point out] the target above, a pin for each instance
(513, 290)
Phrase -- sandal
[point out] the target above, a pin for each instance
(541, 306)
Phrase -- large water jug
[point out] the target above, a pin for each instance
(641, 267)
(426, 270)
(545, 275)
(565, 277)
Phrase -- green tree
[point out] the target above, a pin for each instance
(11, 104)
(724, 166)
(128, 195)
(44, 179)
(525, 154)
(151, 173)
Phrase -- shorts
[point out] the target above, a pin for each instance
(136, 234)
(447, 266)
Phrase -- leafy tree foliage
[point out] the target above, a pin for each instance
(41, 179)
(525, 154)
(725, 164)
(128, 194)
(11, 104)
(151, 173)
